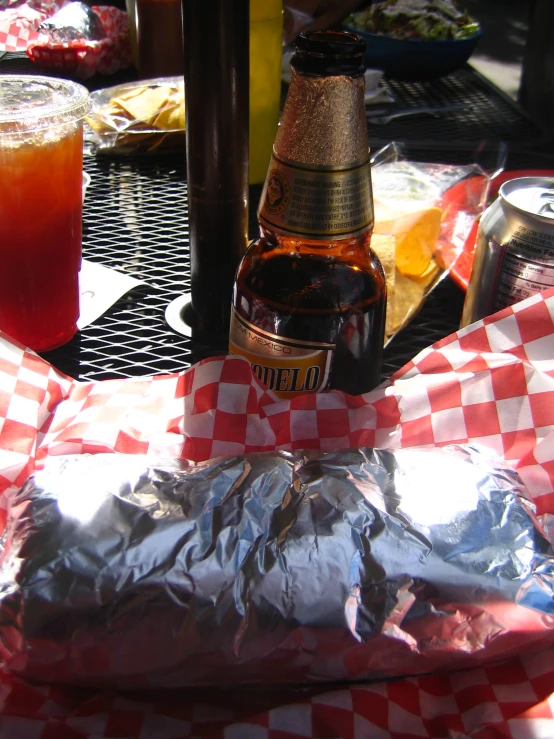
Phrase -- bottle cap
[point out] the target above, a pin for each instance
(329, 53)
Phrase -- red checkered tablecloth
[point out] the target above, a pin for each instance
(492, 383)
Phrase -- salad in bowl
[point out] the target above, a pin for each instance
(426, 20)
(415, 39)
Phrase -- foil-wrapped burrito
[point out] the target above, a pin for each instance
(74, 21)
(270, 568)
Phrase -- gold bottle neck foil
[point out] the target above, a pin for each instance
(323, 122)
(319, 181)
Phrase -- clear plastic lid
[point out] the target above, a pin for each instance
(32, 102)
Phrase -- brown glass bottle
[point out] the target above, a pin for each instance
(160, 38)
(310, 297)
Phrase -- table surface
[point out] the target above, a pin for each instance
(135, 220)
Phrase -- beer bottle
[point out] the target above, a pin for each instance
(309, 298)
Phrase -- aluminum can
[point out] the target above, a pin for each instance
(514, 256)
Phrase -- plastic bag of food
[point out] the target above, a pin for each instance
(417, 223)
(138, 117)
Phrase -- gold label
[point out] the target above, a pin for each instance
(316, 202)
(287, 366)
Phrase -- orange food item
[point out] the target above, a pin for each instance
(416, 231)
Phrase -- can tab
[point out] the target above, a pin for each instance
(546, 207)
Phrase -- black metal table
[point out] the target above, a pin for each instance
(135, 220)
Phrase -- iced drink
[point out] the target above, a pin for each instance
(41, 166)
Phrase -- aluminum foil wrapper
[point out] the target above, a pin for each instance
(122, 572)
(74, 21)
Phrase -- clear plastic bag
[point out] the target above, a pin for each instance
(424, 213)
(139, 117)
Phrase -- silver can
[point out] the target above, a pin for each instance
(514, 256)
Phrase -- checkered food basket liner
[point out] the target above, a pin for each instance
(491, 383)
(19, 31)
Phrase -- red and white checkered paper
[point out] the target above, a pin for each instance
(19, 31)
(20, 19)
(491, 383)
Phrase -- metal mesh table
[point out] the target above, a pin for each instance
(485, 114)
(135, 220)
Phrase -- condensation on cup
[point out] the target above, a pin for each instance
(514, 256)
(41, 185)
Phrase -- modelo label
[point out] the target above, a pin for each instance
(287, 366)
(320, 203)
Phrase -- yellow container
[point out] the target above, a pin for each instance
(266, 47)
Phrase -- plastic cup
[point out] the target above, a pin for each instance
(41, 179)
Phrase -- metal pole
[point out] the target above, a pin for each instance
(216, 49)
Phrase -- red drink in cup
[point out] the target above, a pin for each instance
(41, 175)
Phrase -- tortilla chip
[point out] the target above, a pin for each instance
(146, 106)
(182, 113)
(169, 118)
(408, 297)
(414, 248)
(130, 94)
(430, 273)
(416, 231)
